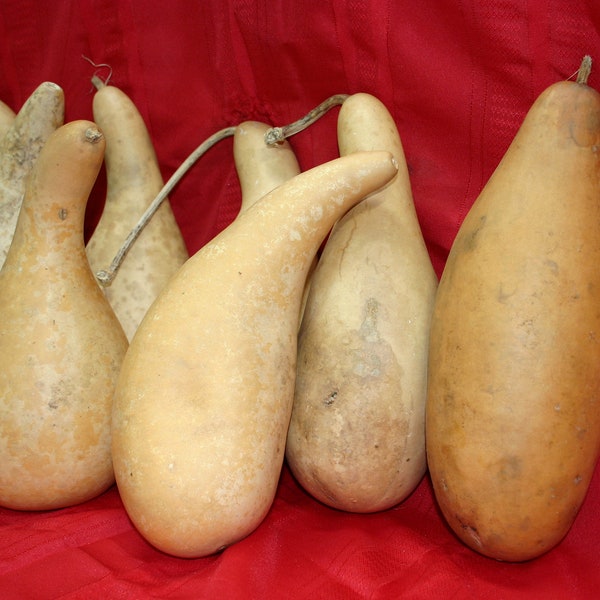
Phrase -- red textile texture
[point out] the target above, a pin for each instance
(458, 78)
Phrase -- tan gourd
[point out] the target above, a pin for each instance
(61, 345)
(7, 117)
(357, 433)
(204, 396)
(513, 423)
(133, 179)
(20, 146)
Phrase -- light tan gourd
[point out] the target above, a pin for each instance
(133, 180)
(20, 146)
(513, 419)
(61, 345)
(204, 397)
(357, 433)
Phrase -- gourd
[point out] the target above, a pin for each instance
(61, 345)
(203, 400)
(513, 426)
(40, 115)
(357, 434)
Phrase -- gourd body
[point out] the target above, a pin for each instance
(61, 345)
(204, 397)
(357, 433)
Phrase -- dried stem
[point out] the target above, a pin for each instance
(584, 69)
(276, 135)
(106, 277)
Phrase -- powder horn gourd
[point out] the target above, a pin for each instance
(513, 419)
(204, 397)
(61, 345)
(357, 434)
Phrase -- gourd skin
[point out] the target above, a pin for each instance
(198, 440)
(357, 435)
(513, 426)
(61, 345)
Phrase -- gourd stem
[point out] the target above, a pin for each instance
(106, 277)
(276, 135)
(584, 69)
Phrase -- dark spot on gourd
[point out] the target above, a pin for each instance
(330, 399)
(510, 467)
(63, 213)
(470, 531)
(470, 240)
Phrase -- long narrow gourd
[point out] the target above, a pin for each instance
(133, 179)
(204, 396)
(513, 419)
(357, 433)
(61, 345)
(20, 146)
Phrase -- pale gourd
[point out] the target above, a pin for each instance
(357, 434)
(203, 401)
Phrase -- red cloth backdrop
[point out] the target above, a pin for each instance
(458, 78)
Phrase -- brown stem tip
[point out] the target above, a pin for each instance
(584, 70)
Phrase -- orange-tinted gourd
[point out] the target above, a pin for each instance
(513, 419)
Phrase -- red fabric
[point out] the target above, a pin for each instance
(458, 78)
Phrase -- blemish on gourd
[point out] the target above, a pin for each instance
(470, 531)
(330, 399)
(63, 213)
(470, 241)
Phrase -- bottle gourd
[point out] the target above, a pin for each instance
(61, 345)
(513, 419)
